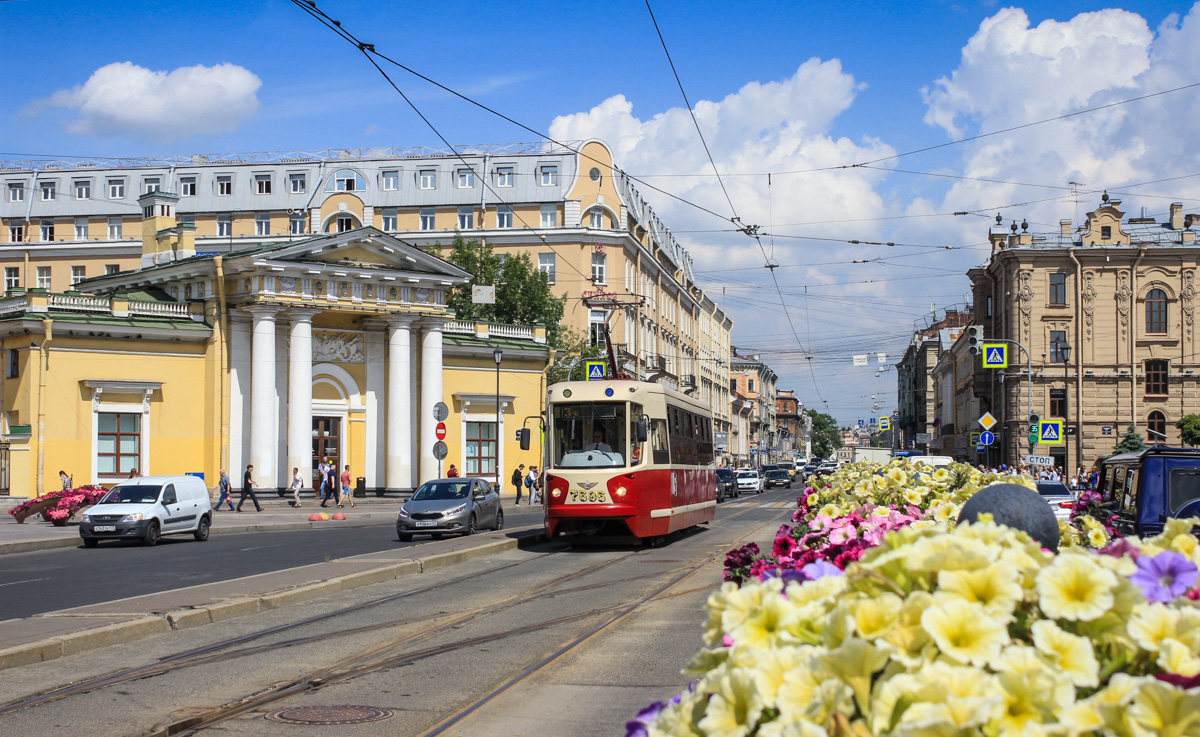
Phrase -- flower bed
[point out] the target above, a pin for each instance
(63, 505)
(975, 630)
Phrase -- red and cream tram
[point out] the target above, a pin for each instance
(626, 457)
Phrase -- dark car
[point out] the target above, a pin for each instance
(779, 477)
(1147, 488)
(726, 486)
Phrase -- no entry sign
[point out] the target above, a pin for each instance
(441, 431)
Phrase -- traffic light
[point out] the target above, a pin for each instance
(1035, 423)
(975, 339)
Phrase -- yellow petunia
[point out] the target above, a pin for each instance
(1075, 587)
(735, 705)
(1151, 624)
(1072, 653)
(1097, 537)
(1176, 657)
(1161, 709)
(875, 617)
(997, 587)
(964, 631)
(912, 496)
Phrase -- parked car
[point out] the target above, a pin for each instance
(749, 480)
(147, 508)
(1058, 496)
(778, 477)
(1147, 488)
(455, 506)
(727, 487)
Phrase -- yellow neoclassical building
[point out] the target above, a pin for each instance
(337, 345)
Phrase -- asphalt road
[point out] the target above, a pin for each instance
(49, 580)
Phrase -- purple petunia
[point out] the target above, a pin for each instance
(638, 726)
(820, 569)
(1165, 576)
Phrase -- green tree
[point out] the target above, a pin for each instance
(573, 349)
(523, 293)
(826, 435)
(1131, 442)
(1189, 429)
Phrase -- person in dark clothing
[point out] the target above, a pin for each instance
(518, 478)
(248, 484)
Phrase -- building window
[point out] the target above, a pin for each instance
(296, 223)
(1058, 289)
(16, 233)
(1058, 341)
(83, 190)
(116, 189)
(1156, 378)
(1105, 232)
(1156, 423)
(546, 263)
(224, 226)
(549, 216)
(81, 229)
(111, 268)
(391, 181)
(262, 224)
(12, 277)
(389, 221)
(151, 184)
(466, 218)
(224, 186)
(549, 176)
(503, 216)
(47, 230)
(78, 274)
(12, 362)
(1156, 311)
(297, 183)
(346, 181)
(599, 268)
(118, 442)
(1058, 403)
(427, 218)
(49, 191)
(466, 179)
(114, 229)
(481, 449)
(16, 193)
(43, 278)
(187, 186)
(596, 328)
(596, 218)
(344, 223)
(187, 220)
(262, 184)
(504, 176)
(428, 179)
(750, 386)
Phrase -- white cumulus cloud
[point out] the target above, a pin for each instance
(123, 99)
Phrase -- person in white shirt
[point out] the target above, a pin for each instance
(532, 478)
(598, 442)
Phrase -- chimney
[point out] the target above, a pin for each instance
(163, 238)
(1064, 228)
(1176, 216)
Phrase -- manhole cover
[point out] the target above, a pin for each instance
(328, 715)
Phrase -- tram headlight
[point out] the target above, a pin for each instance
(621, 491)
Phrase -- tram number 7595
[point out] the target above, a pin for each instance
(596, 496)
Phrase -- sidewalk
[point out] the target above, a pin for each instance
(277, 515)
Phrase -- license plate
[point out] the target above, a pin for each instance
(426, 523)
(596, 496)
(105, 528)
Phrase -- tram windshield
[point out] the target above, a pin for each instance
(590, 435)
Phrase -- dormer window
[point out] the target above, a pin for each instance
(346, 181)
(1105, 232)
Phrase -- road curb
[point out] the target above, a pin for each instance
(178, 619)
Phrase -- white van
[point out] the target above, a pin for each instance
(147, 508)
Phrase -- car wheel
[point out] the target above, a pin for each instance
(405, 537)
(499, 519)
(201, 533)
(472, 526)
(90, 542)
(152, 535)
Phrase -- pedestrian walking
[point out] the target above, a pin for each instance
(226, 490)
(346, 488)
(531, 483)
(65, 480)
(297, 485)
(327, 481)
(518, 479)
(452, 473)
(248, 484)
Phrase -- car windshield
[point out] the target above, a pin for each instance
(777, 474)
(1053, 488)
(132, 494)
(589, 435)
(747, 475)
(724, 474)
(438, 491)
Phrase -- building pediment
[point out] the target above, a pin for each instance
(363, 248)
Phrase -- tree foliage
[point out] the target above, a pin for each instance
(523, 293)
(1189, 429)
(1131, 442)
(573, 349)
(826, 435)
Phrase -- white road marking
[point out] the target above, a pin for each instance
(28, 580)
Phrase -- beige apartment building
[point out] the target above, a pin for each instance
(1107, 311)
(754, 383)
(580, 219)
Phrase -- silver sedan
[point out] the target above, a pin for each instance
(1059, 497)
(450, 506)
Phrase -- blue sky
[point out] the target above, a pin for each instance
(846, 82)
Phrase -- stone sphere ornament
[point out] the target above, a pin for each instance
(1016, 506)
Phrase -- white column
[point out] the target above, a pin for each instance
(399, 404)
(431, 394)
(376, 450)
(299, 414)
(262, 395)
(239, 393)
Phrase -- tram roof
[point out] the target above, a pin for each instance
(623, 389)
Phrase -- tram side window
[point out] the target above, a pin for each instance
(635, 448)
(658, 442)
(706, 445)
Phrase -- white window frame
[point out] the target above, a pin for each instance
(45, 278)
(83, 189)
(296, 223)
(225, 185)
(504, 176)
(466, 179)
(549, 175)
(596, 218)
(549, 216)
(428, 218)
(49, 191)
(78, 273)
(596, 320)
(339, 181)
(298, 183)
(548, 264)
(599, 268)
(262, 184)
(504, 217)
(466, 218)
(340, 220)
(116, 229)
(187, 186)
(12, 277)
(143, 436)
(391, 180)
(16, 192)
(81, 229)
(116, 189)
(112, 269)
(46, 230)
(224, 226)
(428, 178)
(390, 221)
(16, 232)
(262, 224)
(151, 184)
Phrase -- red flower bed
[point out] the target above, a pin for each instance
(66, 503)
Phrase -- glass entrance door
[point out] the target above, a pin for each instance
(327, 443)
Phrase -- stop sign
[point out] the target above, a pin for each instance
(441, 431)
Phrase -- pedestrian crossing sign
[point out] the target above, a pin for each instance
(595, 370)
(995, 355)
(885, 423)
(1050, 432)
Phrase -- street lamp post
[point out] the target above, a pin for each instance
(1064, 352)
(499, 356)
